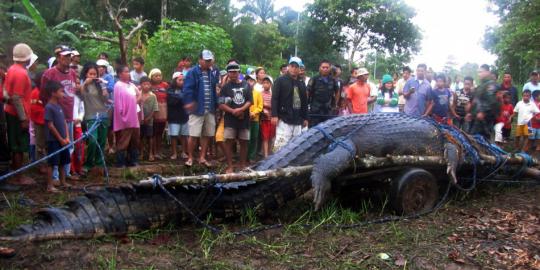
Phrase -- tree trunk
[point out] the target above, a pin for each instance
(163, 11)
(123, 47)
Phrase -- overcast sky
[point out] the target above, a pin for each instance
(449, 28)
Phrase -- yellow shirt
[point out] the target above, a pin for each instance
(257, 107)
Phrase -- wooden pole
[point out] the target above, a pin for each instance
(365, 163)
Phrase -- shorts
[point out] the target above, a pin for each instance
(159, 128)
(499, 132)
(284, 133)
(522, 131)
(204, 125)
(268, 131)
(236, 133)
(178, 129)
(535, 134)
(220, 130)
(147, 131)
(127, 139)
(59, 159)
(18, 139)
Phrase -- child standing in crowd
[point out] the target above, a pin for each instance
(268, 130)
(534, 137)
(235, 99)
(77, 157)
(177, 116)
(441, 109)
(159, 87)
(57, 135)
(254, 112)
(138, 70)
(150, 108)
(525, 110)
(504, 119)
(387, 98)
(37, 121)
(463, 105)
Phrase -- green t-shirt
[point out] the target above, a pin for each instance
(150, 106)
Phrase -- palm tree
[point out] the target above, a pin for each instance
(259, 9)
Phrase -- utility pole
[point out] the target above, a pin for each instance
(163, 11)
(296, 38)
(375, 67)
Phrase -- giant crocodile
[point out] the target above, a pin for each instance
(331, 147)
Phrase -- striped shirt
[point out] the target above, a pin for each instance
(207, 91)
(267, 104)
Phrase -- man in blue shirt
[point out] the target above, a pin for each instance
(200, 101)
(416, 92)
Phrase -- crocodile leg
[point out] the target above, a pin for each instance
(328, 167)
(451, 154)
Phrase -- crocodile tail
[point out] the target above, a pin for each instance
(108, 211)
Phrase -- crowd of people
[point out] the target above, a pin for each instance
(223, 115)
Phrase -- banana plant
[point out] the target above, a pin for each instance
(60, 31)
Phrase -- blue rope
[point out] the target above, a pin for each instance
(335, 143)
(99, 120)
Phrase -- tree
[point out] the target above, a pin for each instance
(382, 63)
(259, 9)
(357, 26)
(177, 39)
(469, 69)
(450, 67)
(116, 15)
(515, 40)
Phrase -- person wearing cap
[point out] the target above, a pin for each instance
(416, 92)
(69, 78)
(323, 94)
(103, 70)
(17, 109)
(289, 104)
(387, 96)
(176, 115)
(110, 69)
(32, 68)
(268, 130)
(235, 100)
(200, 101)
(532, 84)
(359, 93)
(76, 61)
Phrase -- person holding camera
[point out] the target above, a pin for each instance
(94, 96)
(416, 92)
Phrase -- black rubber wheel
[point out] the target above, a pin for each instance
(414, 191)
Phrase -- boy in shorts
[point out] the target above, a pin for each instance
(235, 99)
(268, 130)
(56, 133)
(525, 110)
(150, 107)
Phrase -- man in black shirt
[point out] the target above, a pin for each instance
(289, 104)
(323, 93)
(235, 99)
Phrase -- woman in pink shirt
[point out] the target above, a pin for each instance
(126, 119)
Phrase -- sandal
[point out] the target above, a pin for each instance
(189, 163)
(151, 158)
(205, 163)
(52, 190)
(174, 157)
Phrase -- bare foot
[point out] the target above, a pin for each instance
(151, 158)
(26, 181)
(229, 170)
(189, 163)
(73, 177)
(205, 162)
(174, 157)
(66, 185)
(52, 189)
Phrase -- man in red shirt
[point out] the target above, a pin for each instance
(359, 93)
(68, 78)
(17, 108)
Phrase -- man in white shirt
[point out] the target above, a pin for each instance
(532, 85)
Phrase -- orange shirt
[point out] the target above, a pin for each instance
(358, 94)
(18, 83)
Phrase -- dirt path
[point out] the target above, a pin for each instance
(491, 228)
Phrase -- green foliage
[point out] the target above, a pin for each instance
(258, 44)
(515, 41)
(384, 25)
(90, 48)
(178, 39)
(259, 9)
(379, 64)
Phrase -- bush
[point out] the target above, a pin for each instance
(177, 39)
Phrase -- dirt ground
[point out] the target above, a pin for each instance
(494, 227)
